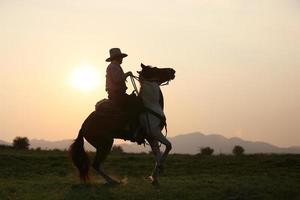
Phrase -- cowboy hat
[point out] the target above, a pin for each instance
(115, 53)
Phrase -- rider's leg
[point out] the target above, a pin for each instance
(138, 128)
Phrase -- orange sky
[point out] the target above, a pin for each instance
(237, 63)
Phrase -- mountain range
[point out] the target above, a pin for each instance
(2, 142)
(183, 144)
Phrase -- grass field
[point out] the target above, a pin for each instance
(46, 175)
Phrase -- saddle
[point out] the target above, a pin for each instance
(125, 121)
(106, 107)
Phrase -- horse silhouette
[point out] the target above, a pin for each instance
(100, 130)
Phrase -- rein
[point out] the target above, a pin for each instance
(138, 79)
(133, 84)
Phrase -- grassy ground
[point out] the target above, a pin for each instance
(49, 175)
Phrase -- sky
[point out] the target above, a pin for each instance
(237, 64)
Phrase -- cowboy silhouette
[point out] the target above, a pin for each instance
(115, 76)
(116, 89)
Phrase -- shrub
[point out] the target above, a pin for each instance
(38, 149)
(21, 143)
(238, 150)
(207, 151)
(3, 146)
(56, 150)
(117, 149)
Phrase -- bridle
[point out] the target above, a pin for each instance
(138, 79)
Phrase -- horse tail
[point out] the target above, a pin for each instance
(79, 157)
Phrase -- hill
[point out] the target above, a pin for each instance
(2, 142)
(191, 143)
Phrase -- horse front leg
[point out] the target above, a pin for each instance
(154, 177)
(161, 138)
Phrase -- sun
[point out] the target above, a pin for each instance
(85, 78)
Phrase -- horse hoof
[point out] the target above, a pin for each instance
(150, 178)
(112, 183)
(154, 181)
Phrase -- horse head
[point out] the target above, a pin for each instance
(155, 74)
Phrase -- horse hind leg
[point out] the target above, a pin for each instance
(101, 154)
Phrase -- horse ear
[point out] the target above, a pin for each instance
(142, 65)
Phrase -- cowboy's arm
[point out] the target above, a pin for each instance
(128, 74)
(119, 75)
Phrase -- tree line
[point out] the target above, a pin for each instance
(207, 151)
(20, 143)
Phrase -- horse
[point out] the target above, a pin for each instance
(100, 131)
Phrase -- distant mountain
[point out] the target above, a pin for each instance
(183, 144)
(61, 144)
(44, 144)
(2, 142)
(192, 142)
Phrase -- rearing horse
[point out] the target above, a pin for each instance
(99, 131)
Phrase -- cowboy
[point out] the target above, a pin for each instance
(116, 89)
(115, 77)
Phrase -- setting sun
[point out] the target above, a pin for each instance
(85, 78)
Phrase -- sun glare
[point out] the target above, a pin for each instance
(85, 78)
